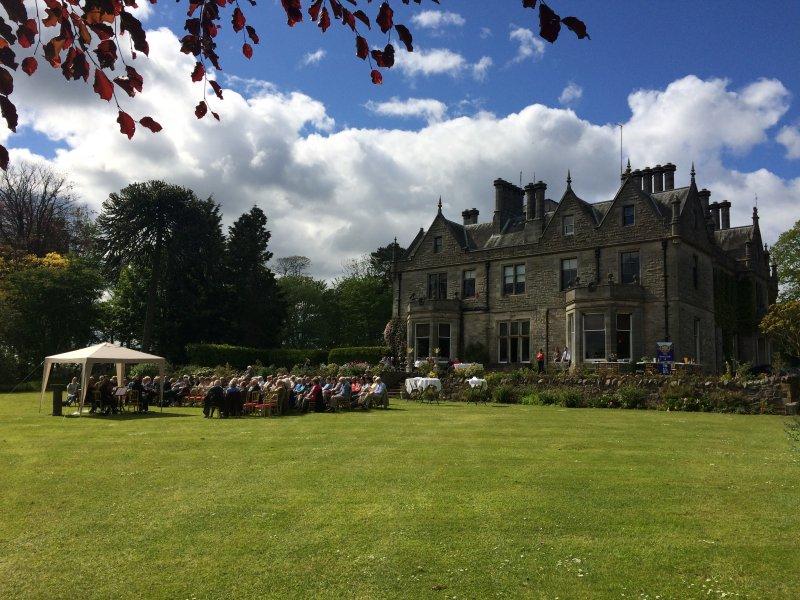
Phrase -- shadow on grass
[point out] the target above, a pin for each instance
(128, 416)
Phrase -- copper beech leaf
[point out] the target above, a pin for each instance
(377, 78)
(152, 125)
(385, 19)
(549, 23)
(201, 109)
(247, 50)
(199, 72)
(9, 112)
(126, 124)
(3, 157)
(238, 20)
(215, 86)
(102, 85)
(29, 65)
(576, 26)
(405, 36)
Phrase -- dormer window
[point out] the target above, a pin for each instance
(437, 244)
(628, 215)
(569, 224)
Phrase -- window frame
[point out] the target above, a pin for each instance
(440, 337)
(625, 208)
(464, 280)
(438, 244)
(417, 337)
(637, 275)
(515, 343)
(562, 282)
(440, 288)
(586, 357)
(629, 332)
(564, 230)
(513, 279)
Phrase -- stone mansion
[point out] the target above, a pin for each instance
(608, 279)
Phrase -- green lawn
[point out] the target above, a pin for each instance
(447, 501)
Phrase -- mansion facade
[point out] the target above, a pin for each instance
(607, 279)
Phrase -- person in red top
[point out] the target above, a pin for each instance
(540, 360)
(315, 396)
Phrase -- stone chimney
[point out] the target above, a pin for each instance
(725, 215)
(637, 178)
(530, 202)
(658, 179)
(704, 196)
(714, 208)
(647, 180)
(669, 176)
(507, 202)
(676, 210)
(470, 216)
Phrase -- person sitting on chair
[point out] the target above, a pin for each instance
(138, 389)
(378, 394)
(342, 393)
(233, 400)
(72, 391)
(214, 400)
(315, 396)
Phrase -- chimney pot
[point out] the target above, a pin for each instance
(470, 216)
(669, 176)
(714, 207)
(658, 179)
(725, 215)
(647, 180)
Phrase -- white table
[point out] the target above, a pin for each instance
(475, 382)
(422, 383)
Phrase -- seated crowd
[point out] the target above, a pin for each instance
(282, 395)
(236, 397)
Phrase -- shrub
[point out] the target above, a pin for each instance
(496, 378)
(470, 372)
(476, 395)
(145, 370)
(729, 401)
(504, 394)
(744, 371)
(571, 398)
(632, 397)
(209, 355)
(602, 401)
(549, 397)
(194, 370)
(353, 369)
(367, 354)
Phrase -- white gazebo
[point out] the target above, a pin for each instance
(103, 354)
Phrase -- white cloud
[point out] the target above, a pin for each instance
(485, 33)
(528, 45)
(481, 68)
(571, 93)
(789, 137)
(429, 109)
(313, 58)
(437, 19)
(282, 151)
(440, 61)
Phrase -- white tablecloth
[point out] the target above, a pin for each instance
(422, 383)
(476, 383)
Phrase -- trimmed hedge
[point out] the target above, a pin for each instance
(211, 355)
(368, 354)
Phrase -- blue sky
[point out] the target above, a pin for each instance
(334, 108)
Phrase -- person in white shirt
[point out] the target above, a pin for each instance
(72, 391)
(566, 357)
(378, 394)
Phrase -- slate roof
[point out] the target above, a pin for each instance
(733, 240)
(663, 200)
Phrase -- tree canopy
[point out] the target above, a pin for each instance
(786, 254)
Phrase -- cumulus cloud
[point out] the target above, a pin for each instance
(528, 45)
(426, 108)
(789, 138)
(437, 19)
(570, 94)
(333, 192)
(313, 58)
(440, 61)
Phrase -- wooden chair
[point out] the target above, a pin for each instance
(268, 406)
(251, 402)
(133, 400)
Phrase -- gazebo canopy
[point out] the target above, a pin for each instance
(101, 354)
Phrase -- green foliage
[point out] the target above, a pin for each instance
(571, 397)
(549, 397)
(241, 357)
(364, 305)
(145, 370)
(786, 254)
(395, 337)
(367, 354)
(632, 397)
(354, 369)
(782, 324)
(310, 312)
(744, 371)
(254, 306)
(48, 305)
(504, 394)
